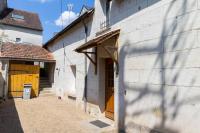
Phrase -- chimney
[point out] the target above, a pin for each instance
(3, 5)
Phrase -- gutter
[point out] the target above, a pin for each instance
(25, 27)
(24, 59)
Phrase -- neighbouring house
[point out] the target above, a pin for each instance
(19, 26)
(138, 64)
(23, 60)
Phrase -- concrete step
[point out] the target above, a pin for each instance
(46, 88)
(43, 77)
(45, 85)
(44, 80)
(47, 92)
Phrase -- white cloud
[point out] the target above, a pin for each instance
(65, 18)
(41, 1)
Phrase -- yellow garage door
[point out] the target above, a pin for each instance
(23, 74)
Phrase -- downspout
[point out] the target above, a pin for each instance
(4, 81)
(85, 87)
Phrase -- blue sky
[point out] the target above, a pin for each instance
(50, 12)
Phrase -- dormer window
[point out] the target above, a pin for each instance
(16, 16)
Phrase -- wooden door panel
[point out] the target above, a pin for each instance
(109, 89)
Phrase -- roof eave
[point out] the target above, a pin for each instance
(96, 41)
(22, 26)
(26, 59)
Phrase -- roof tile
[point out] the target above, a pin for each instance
(25, 51)
(31, 20)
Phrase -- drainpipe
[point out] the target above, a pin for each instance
(85, 88)
(5, 83)
(1, 43)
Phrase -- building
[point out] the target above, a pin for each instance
(19, 26)
(142, 66)
(22, 58)
(69, 74)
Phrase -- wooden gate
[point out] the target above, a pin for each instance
(19, 75)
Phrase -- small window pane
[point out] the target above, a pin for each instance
(18, 40)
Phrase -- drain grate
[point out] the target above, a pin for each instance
(99, 123)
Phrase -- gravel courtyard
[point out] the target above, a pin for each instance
(44, 115)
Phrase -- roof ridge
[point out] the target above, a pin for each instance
(23, 44)
(24, 11)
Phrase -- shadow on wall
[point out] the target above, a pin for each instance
(9, 119)
(157, 94)
(50, 72)
(121, 9)
(90, 92)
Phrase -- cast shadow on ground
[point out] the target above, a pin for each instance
(9, 118)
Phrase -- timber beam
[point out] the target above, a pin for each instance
(94, 61)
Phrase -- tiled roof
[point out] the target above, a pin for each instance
(98, 40)
(25, 52)
(30, 20)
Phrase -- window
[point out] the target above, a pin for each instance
(18, 40)
(16, 16)
(108, 7)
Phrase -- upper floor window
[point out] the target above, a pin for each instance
(108, 8)
(105, 23)
(18, 40)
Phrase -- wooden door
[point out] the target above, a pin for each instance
(19, 75)
(109, 89)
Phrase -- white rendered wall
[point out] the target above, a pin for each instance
(158, 85)
(27, 36)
